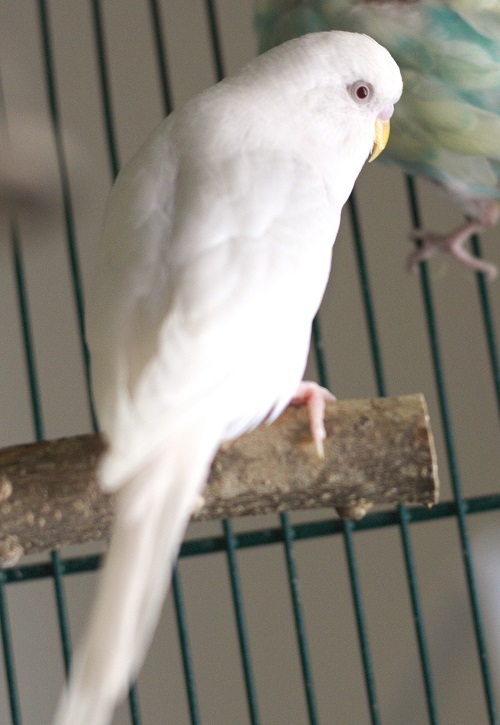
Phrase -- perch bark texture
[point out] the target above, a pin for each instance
(377, 451)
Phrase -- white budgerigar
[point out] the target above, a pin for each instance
(215, 255)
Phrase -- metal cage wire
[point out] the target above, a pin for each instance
(288, 532)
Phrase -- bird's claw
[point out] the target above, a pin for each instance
(315, 397)
(429, 246)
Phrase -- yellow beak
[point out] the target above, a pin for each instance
(382, 129)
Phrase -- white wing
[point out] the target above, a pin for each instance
(211, 274)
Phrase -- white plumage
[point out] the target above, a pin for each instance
(215, 255)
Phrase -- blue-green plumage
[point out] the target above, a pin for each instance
(447, 125)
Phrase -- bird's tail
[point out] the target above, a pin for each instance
(153, 509)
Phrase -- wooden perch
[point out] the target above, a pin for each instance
(377, 451)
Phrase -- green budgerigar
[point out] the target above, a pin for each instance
(447, 126)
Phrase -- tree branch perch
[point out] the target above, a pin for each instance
(377, 451)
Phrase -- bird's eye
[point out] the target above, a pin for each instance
(361, 91)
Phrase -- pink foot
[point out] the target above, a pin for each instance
(315, 397)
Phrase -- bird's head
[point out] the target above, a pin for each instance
(363, 80)
(342, 81)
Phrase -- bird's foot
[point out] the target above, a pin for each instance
(315, 397)
(453, 244)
